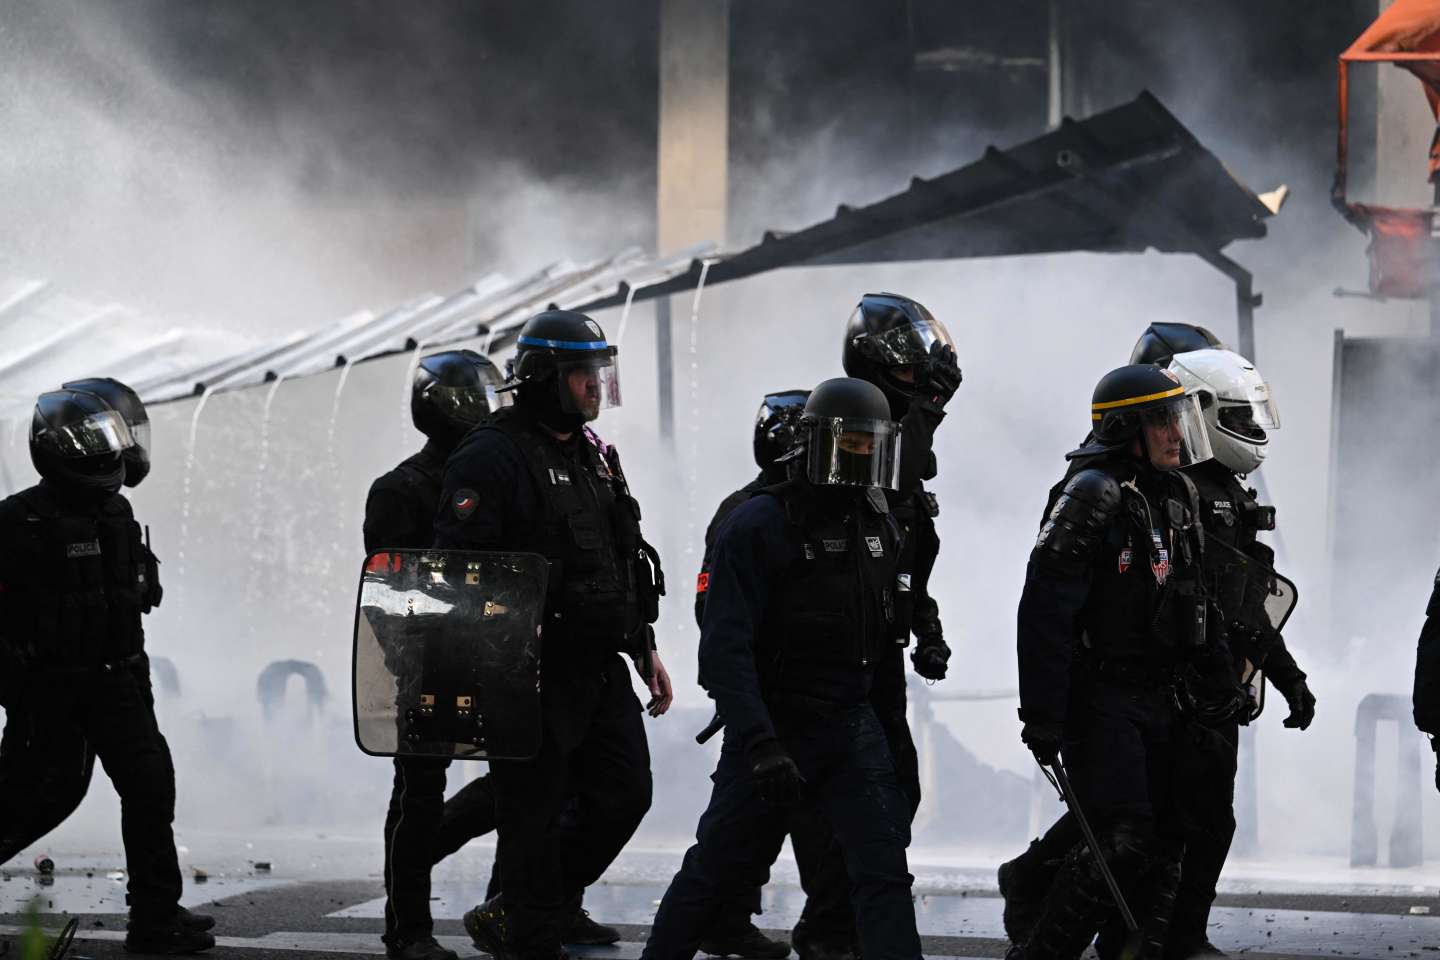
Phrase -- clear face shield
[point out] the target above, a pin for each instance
(904, 346)
(1173, 434)
(590, 384)
(853, 452)
(99, 433)
(140, 432)
(1249, 417)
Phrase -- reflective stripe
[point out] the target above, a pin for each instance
(1109, 404)
(563, 344)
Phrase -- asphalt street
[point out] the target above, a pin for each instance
(285, 910)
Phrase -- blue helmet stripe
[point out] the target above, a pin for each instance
(563, 344)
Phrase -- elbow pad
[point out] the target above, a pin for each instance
(1073, 530)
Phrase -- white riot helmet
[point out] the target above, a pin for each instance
(1236, 404)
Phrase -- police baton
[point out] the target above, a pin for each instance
(711, 728)
(1073, 803)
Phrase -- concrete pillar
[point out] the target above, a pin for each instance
(692, 169)
(694, 122)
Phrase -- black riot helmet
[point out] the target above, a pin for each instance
(1129, 399)
(452, 392)
(850, 438)
(559, 351)
(78, 441)
(125, 402)
(777, 426)
(1161, 341)
(886, 339)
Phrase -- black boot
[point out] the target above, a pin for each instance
(1024, 882)
(812, 945)
(169, 936)
(420, 948)
(193, 921)
(486, 925)
(744, 941)
(579, 930)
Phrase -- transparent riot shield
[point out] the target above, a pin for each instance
(447, 654)
(1263, 598)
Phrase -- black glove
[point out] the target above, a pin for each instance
(930, 657)
(1044, 740)
(939, 377)
(1302, 703)
(776, 776)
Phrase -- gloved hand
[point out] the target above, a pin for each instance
(1044, 740)
(938, 377)
(776, 776)
(1302, 703)
(930, 657)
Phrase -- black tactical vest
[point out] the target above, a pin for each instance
(833, 613)
(589, 531)
(1232, 516)
(1147, 599)
(418, 479)
(75, 580)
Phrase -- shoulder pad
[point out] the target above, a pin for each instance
(1093, 485)
(1077, 521)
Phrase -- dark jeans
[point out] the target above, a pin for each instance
(113, 712)
(850, 778)
(593, 756)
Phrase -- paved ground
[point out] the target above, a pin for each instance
(325, 899)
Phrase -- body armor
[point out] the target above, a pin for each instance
(604, 578)
(1232, 516)
(417, 479)
(830, 618)
(1139, 533)
(75, 580)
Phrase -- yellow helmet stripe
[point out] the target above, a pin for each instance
(1130, 402)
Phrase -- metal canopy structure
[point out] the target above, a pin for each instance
(1124, 181)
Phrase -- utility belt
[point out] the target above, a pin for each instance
(1131, 671)
(785, 705)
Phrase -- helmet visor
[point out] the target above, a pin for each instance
(1173, 433)
(464, 406)
(905, 345)
(98, 433)
(1246, 421)
(853, 452)
(590, 384)
(140, 433)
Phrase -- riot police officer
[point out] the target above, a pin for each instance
(1118, 565)
(533, 478)
(1426, 696)
(1238, 412)
(62, 779)
(895, 343)
(731, 931)
(75, 579)
(800, 608)
(450, 393)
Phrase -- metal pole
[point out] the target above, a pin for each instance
(665, 372)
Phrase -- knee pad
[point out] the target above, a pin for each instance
(1128, 846)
